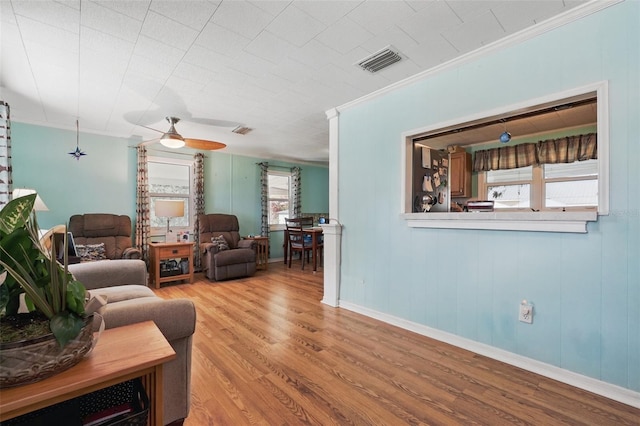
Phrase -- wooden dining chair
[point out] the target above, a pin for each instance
(297, 241)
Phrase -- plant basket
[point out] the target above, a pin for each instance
(32, 360)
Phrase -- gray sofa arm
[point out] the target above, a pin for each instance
(176, 318)
(109, 273)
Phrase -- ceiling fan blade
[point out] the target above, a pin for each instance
(203, 144)
(151, 128)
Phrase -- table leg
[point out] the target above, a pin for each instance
(286, 245)
(314, 250)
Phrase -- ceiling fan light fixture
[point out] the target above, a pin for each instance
(172, 140)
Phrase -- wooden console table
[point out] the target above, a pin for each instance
(121, 354)
(262, 251)
(166, 251)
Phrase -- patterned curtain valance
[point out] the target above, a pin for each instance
(561, 150)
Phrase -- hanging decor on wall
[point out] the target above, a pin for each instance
(78, 152)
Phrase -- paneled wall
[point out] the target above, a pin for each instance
(585, 287)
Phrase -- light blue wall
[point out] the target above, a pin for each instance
(585, 287)
(104, 181)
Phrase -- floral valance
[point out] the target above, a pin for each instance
(561, 150)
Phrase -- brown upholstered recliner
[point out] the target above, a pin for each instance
(239, 260)
(112, 230)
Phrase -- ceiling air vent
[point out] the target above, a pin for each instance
(380, 60)
(242, 130)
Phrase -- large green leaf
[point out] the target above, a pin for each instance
(16, 213)
(75, 297)
(65, 326)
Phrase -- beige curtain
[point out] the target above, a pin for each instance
(199, 207)
(6, 180)
(296, 191)
(561, 150)
(264, 198)
(143, 216)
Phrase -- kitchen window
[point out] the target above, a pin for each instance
(561, 186)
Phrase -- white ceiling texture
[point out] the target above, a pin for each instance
(272, 66)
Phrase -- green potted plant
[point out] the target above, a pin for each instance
(51, 296)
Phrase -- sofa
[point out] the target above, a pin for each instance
(231, 257)
(129, 300)
(114, 231)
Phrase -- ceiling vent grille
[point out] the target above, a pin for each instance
(380, 60)
(242, 130)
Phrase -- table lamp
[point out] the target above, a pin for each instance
(38, 206)
(169, 209)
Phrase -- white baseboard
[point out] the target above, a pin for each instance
(608, 390)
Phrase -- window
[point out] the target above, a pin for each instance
(170, 179)
(510, 188)
(544, 187)
(279, 199)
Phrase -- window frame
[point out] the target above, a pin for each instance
(289, 175)
(161, 230)
(538, 189)
(545, 221)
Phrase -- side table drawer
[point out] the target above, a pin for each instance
(175, 251)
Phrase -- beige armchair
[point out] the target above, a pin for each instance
(112, 230)
(237, 259)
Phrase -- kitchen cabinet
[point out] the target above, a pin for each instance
(460, 169)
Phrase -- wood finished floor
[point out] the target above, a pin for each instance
(267, 352)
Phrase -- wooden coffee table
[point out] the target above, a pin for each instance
(121, 354)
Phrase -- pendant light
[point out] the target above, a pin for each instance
(78, 152)
(505, 137)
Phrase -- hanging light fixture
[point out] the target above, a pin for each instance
(78, 152)
(505, 137)
(172, 139)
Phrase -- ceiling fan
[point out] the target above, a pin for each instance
(172, 139)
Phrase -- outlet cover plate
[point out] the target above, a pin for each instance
(525, 313)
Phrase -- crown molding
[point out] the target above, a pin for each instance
(521, 36)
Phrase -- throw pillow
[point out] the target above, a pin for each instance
(220, 242)
(91, 252)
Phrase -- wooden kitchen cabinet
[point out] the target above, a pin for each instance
(460, 169)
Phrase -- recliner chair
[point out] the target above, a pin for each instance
(111, 229)
(218, 264)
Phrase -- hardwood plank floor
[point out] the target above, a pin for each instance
(267, 352)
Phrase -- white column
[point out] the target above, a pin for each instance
(333, 230)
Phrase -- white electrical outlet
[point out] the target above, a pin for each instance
(525, 314)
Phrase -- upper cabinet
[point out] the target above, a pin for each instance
(460, 169)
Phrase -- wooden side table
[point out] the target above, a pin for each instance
(167, 251)
(111, 362)
(262, 253)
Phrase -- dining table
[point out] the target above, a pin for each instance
(316, 236)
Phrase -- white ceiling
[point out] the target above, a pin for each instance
(274, 66)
